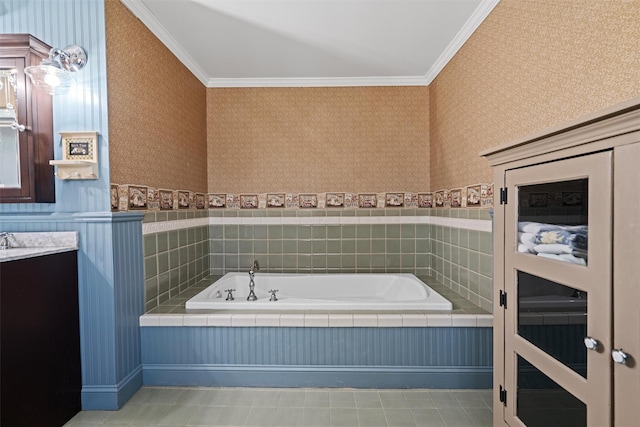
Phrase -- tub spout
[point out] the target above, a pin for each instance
(252, 296)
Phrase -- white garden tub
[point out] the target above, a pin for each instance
(322, 292)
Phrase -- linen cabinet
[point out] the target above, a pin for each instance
(566, 273)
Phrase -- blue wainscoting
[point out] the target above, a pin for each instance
(448, 357)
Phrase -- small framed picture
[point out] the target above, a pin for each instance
(538, 200)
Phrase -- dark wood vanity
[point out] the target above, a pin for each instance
(40, 375)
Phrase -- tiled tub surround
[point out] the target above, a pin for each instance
(318, 241)
(176, 253)
(27, 245)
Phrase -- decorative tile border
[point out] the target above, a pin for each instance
(324, 320)
(137, 197)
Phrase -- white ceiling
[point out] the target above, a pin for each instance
(258, 43)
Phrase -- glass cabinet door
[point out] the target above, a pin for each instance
(558, 286)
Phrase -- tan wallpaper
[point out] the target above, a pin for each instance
(531, 64)
(318, 139)
(157, 109)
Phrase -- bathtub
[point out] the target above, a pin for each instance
(322, 292)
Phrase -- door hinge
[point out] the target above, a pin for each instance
(503, 196)
(503, 396)
(503, 299)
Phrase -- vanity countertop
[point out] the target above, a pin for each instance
(28, 245)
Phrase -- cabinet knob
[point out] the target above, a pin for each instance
(591, 343)
(619, 356)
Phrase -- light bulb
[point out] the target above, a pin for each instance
(52, 80)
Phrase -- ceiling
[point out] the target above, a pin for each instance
(280, 43)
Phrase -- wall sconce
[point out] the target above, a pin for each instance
(55, 75)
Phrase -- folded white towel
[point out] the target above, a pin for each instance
(527, 238)
(525, 249)
(553, 249)
(565, 258)
(536, 227)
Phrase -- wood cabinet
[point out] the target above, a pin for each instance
(40, 376)
(566, 279)
(34, 111)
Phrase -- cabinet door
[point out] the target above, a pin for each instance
(626, 289)
(558, 283)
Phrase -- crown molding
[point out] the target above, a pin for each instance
(319, 82)
(138, 8)
(149, 20)
(474, 21)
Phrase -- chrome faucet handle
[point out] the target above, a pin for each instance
(256, 265)
(230, 295)
(273, 294)
(4, 240)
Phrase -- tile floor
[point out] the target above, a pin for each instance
(258, 407)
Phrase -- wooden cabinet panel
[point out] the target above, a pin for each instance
(40, 375)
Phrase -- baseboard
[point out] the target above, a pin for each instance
(446, 377)
(111, 397)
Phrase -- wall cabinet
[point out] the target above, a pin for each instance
(566, 279)
(24, 155)
(40, 372)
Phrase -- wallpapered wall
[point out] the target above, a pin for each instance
(157, 109)
(530, 65)
(356, 139)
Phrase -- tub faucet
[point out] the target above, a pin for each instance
(252, 296)
(5, 243)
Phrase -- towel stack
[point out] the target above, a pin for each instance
(560, 242)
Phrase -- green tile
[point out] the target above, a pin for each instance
(217, 246)
(260, 232)
(378, 262)
(348, 261)
(150, 244)
(163, 262)
(407, 260)
(485, 214)
(289, 261)
(318, 212)
(319, 246)
(474, 213)
(245, 262)
(319, 261)
(464, 238)
(393, 246)
(288, 214)
(363, 261)
(162, 241)
(455, 255)
(464, 277)
(363, 212)
(392, 231)
(275, 261)
(474, 261)
(166, 216)
(485, 285)
(289, 231)
(290, 246)
(163, 282)
(215, 232)
(474, 282)
(216, 213)
(455, 236)
(393, 261)
(348, 231)
(174, 258)
(304, 261)
(486, 265)
(408, 231)
(408, 246)
(454, 213)
(422, 260)
(348, 246)
(275, 247)
(275, 231)
(149, 217)
(304, 246)
(474, 240)
(245, 246)
(150, 267)
(464, 257)
(319, 232)
(486, 242)
(260, 246)
(230, 263)
(378, 246)
(274, 213)
(230, 247)
(174, 277)
(363, 246)
(423, 246)
(245, 231)
(334, 261)
(378, 231)
(151, 288)
(422, 231)
(304, 232)
(363, 231)
(334, 246)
